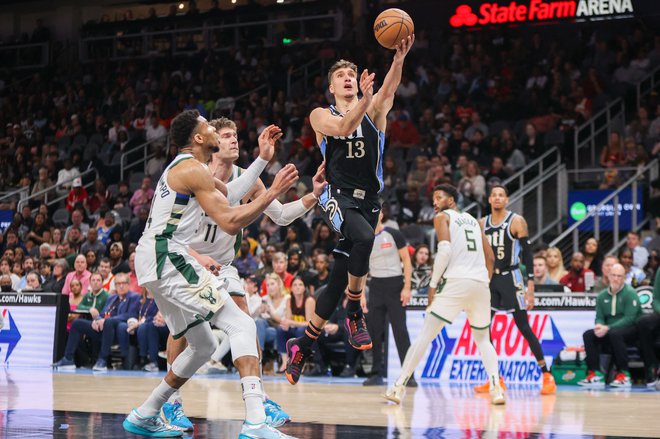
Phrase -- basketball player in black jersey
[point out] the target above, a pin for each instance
(351, 135)
(508, 236)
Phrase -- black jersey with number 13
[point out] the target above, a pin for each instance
(356, 161)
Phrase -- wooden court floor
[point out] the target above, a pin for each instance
(40, 403)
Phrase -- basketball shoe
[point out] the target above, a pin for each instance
(296, 362)
(358, 336)
(151, 426)
(485, 387)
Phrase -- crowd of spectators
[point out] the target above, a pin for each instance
(472, 109)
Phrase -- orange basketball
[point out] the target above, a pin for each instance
(392, 26)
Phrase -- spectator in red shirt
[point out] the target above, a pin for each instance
(280, 263)
(77, 194)
(142, 197)
(574, 279)
(403, 134)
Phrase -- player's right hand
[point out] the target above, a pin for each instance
(267, 140)
(367, 84)
(284, 179)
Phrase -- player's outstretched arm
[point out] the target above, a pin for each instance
(384, 99)
(325, 123)
(285, 214)
(195, 179)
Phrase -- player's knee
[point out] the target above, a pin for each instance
(480, 335)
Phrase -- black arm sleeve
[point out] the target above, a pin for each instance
(527, 256)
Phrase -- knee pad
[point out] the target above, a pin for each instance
(201, 345)
(241, 330)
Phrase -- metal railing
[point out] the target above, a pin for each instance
(303, 73)
(50, 191)
(572, 233)
(539, 165)
(25, 56)
(303, 30)
(587, 135)
(11, 196)
(143, 148)
(647, 85)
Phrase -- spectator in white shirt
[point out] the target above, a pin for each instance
(640, 254)
(155, 131)
(65, 178)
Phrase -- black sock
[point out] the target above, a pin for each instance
(311, 334)
(353, 306)
(544, 367)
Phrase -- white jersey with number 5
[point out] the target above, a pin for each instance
(467, 252)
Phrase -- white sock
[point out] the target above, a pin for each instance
(430, 330)
(488, 354)
(153, 404)
(176, 396)
(253, 397)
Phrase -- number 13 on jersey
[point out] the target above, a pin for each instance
(355, 149)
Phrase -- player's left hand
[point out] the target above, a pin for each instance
(405, 296)
(529, 296)
(267, 140)
(318, 181)
(403, 47)
(210, 264)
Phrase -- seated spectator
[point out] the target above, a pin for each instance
(5, 270)
(603, 280)
(299, 311)
(55, 282)
(5, 284)
(33, 282)
(324, 238)
(152, 332)
(43, 182)
(245, 263)
(417, 175)
(92, 243)
(634, 154)
(640, 253)
(132, 276)
(77, 195)
(277, 302)
(28, 266)
(634, 275)
(95, 300)
(104, 231)
(142, 197)
(541, 272)
(421, 269)
(137, 227)
(75, 297)
(116, 257)
(612, 153)
(105, 269)
(575, 278)
(473, 185)
(555, 262)
(322, 267)
(648, 327)
(334, 331)
(257, 308)
(651, 267)
(39, 229)
(280, 263)
(615, 325)
(123, 195)
(65, 179)
(410, 207)
(592, 256)
(297, 266)
(80, 273)
(496, 174)
(110, 326)
(44, 254)
(611, 179)
(90, 257)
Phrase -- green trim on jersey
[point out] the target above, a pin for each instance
(197, 322)
(239, 235)
(441, 318)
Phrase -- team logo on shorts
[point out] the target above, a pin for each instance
(331, 207)
(208, 295)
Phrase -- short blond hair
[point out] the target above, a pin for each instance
(223, 122)
(341, 64)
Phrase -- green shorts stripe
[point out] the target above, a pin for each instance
(482, 327)
(199, 321)
(440, 317)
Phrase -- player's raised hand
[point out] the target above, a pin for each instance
(403, 47)
(367, 84)
(318, 181)
(287, 176)
(267, 140)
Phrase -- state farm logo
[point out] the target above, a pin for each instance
(538, 10)
(464, 16)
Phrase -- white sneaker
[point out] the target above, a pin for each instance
(593, 380)
(261, 431)
(395, 394)
(497, 395)
(152, 426)
(622, 381)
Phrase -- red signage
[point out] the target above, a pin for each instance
(538, 10)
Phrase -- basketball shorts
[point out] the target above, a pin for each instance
(234, 284)
(335, 202)
(507, 291)
(186, 293)
(469, 295)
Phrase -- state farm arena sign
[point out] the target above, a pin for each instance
(536, 11)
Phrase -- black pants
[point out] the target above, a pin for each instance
(648, 327)
(616, 339)
(384, 303)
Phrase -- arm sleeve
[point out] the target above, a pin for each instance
(441, 262)
(237, 189)
(285, 214)
(399, 239)
(527, 256)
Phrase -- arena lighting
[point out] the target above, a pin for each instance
(181, 6)
(539, 10)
